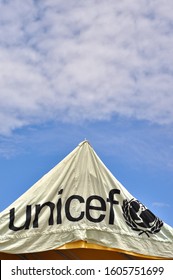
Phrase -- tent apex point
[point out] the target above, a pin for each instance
(84, 142)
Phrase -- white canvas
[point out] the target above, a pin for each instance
(79, 199)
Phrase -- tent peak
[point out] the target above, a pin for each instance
(84, 142)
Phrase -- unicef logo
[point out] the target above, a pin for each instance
(139, 218)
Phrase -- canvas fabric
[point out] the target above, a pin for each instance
(79, 199)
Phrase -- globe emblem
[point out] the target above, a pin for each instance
(139, 218)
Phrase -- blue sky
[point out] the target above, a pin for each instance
(100, 70)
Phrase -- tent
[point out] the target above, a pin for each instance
(79, 210)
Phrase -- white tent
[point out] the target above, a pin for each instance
(80, 204)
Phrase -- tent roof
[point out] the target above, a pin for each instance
(80, 250)
(79, 200)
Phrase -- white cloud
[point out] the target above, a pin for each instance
(85, 60)
(160, 204)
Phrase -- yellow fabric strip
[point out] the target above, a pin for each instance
(86, 245)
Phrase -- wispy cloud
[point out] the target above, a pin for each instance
(85, 60)
(160, 204)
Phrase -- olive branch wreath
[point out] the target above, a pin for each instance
(154, 229)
